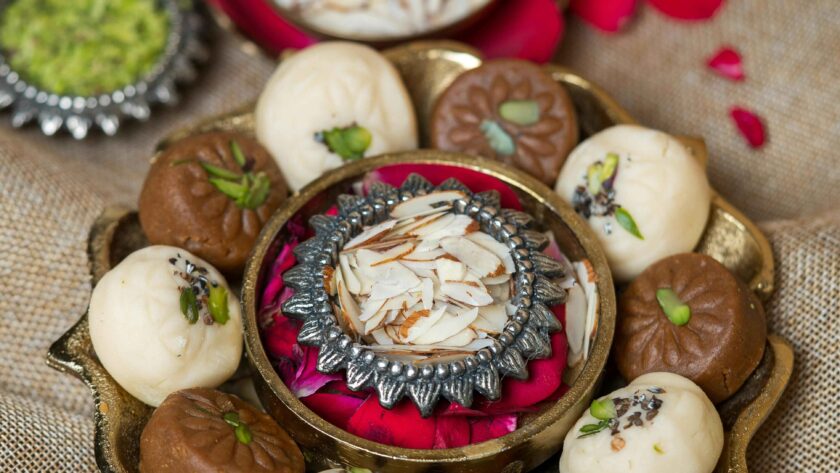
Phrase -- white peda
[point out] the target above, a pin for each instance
(684, 435)
(642, 192)
(332, 103)
(145, 340)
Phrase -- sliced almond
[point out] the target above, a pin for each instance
(460, 339)
(496, 280)
(450, 270)
(447, 326)
(349, 310)
(370, 307)
(432, 226)
(424, 256)
(496, 247)
(576, 313)
(491, 319)
(371, 234)
(461, 225)
(420, 326)
(427, 293)
(330, 280)
(424, 203)
(481, 261)
(348, 275)
(380, 337)
(466, 292)
(376, 322)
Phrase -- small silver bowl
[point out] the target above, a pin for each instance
(78, 114)
(525, 336)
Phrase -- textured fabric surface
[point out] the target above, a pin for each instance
(51, 189)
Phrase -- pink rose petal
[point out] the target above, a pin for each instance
(688, 9)
(489, 428)
(544, 377)
(750, 126)
(280, 337)
(401, 426)
(455, 409)
(334, 408)
(525, 29)
(451, 432)
(727, 63)
(340, 387)
(308, 379)
(476, 181)
(606, 15)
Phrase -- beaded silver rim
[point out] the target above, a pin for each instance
(79, 114)
(526, 335)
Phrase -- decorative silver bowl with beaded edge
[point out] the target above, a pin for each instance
(525, 336)
(79, 114)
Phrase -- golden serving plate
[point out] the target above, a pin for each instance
(427, 68)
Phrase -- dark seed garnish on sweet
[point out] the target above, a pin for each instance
(195, 298)
(656, 390)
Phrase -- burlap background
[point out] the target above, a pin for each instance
(52, 189)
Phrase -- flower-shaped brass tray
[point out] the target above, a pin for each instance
(427, 69)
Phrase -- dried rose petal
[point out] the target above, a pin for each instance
(606, 15)
(401, 426)
(544, 377)
(334, 408)
(688, 9)
(308, 379)
(455, 409)
(727, 62)
(451, 432)
(489, 428)
(476, 181)
(281, 336)
(527, 29)
(750, 126)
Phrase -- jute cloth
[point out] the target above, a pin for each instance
(52, 189)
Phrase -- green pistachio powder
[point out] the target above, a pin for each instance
(83, 47)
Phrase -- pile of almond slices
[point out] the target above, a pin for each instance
(426, 282)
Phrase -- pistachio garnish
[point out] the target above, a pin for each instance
(678, 312)
(602, 409)
(247, 189)
(520, 112)
(217, 304)
(498, 138)
(240, 429)
(349, 142)
(189, 304)
(627, 222)
(658, 449)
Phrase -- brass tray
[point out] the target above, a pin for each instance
(427, 68)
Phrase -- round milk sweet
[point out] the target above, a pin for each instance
(154, 339)
(642, 192)
(661, 423)
(332, 103)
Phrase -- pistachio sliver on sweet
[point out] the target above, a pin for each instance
(627, 222)
(609, 168)
(497, 138)
(593, 177)
(189, 304)
(348, 142)
(217, 171)
(678, 312)
(217, 304)
(603, 409)
(520, 112)
(237, 153)
(243, 434)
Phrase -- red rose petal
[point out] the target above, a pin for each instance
(489, 428)
(455, 409)
(451, 432)
(727, 63)
(281, 336)
(750, 126)
(525, 29)
(308, 379)
(544, 377)
(606, 15)
(476, 181)
(334, 408)
(401, 426)
(688, 9)
(340, 387)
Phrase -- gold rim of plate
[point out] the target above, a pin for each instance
(428, 68)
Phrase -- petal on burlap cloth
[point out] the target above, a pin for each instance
(51, 190)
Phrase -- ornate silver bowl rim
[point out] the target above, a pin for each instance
(526, 335)
(78, 114)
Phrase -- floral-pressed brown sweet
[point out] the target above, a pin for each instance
(509, 110)
(211, 194)
(204, 430)
(688, 314)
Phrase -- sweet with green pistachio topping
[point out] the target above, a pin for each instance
(349, 142)
(675, 309)
(520, 112)
(247, 189)
(83, 47)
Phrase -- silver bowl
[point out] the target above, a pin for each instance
(78, 114)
